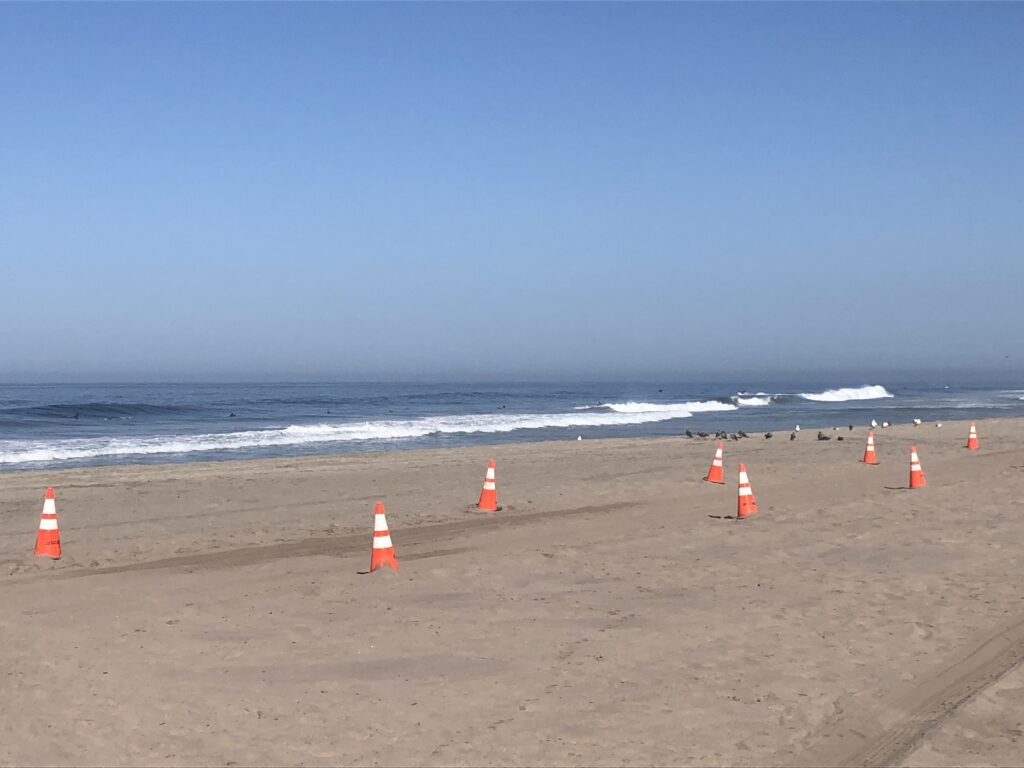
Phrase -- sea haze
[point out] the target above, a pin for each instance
(96, 424)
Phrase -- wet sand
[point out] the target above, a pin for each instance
(610, 614)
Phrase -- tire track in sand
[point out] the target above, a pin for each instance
(339, 546)
(894, 729)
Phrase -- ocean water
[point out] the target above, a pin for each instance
(96, 424)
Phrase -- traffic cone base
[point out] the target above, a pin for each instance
(715, 473)
(746, 505)
(489, 495)
(383, 552)
(972, 438)
(48, 535)
(916, 473)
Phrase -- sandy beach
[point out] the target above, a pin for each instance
(611, 613)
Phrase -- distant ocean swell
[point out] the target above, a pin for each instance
(600, 415)
(92, 410)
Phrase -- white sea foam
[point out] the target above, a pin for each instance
(870, 392)
(684, 409)
(754, 400)
(28, 451)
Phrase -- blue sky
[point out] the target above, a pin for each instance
(340, 191)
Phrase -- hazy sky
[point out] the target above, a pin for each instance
(528, 191)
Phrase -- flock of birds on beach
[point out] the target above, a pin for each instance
(740, 434)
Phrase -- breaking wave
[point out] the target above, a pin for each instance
(78, 449)
(870, 392)
(759, 399)
(683, 409)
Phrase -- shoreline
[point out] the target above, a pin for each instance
(339, 455)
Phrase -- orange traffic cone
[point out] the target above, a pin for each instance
(489, 495)
(383, 552)
(715, 473)
(869, 451)
(972, 438)
(746, 505)
(916, 473)
(48, 537)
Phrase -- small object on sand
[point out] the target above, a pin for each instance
(874, 423)
(579, 437)
(840, 438)
(885, 424)
(734, 436)
(767, 435)
(823, 436)
(741, 433)
(689, 433)
(835, 429)
(797, 428)
(792, 435)
(850, 427)
(938, 423)
(917, 422)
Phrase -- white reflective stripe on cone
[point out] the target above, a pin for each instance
(745, 491)
(49, 508)
(489, 485)
(382, 542)
(380, 523)
(48, 524)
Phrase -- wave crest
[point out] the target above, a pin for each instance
(682, 408)
(868, 392)
(754, 400)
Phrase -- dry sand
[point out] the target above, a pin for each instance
(609, 614)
